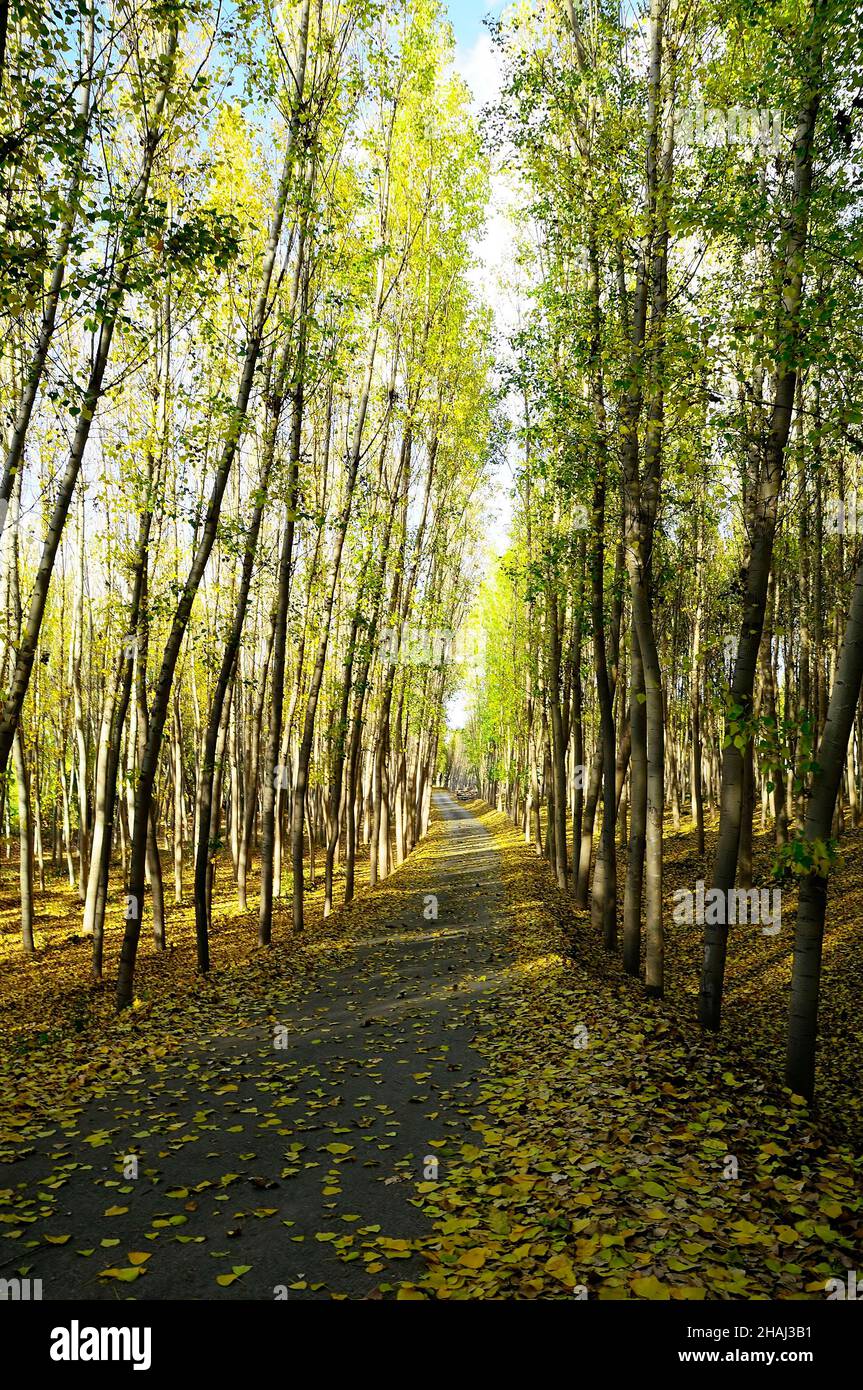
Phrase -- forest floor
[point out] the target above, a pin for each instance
(475, 1105)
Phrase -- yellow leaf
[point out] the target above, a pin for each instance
(787, 1235)
(648, 1286)
(560, 1267)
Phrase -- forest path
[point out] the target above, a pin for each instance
(308, 1152)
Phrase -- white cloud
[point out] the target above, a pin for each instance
(480, 67)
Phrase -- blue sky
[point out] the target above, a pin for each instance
(466, 17)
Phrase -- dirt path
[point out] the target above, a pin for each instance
(289, 1151)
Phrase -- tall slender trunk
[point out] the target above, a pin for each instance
(25, 839)
(252, 763)
(633, 891)
(161, 699)
(764, 518)
(26, 653)
(305, 750)
(696, 789)
(558, 746)
(51, 300)
(272, 774)
(207, 801)
(77, 661)
(812, 909)
(605, 877)
(178, 799)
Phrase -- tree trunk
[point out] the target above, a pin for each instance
(812, 910)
